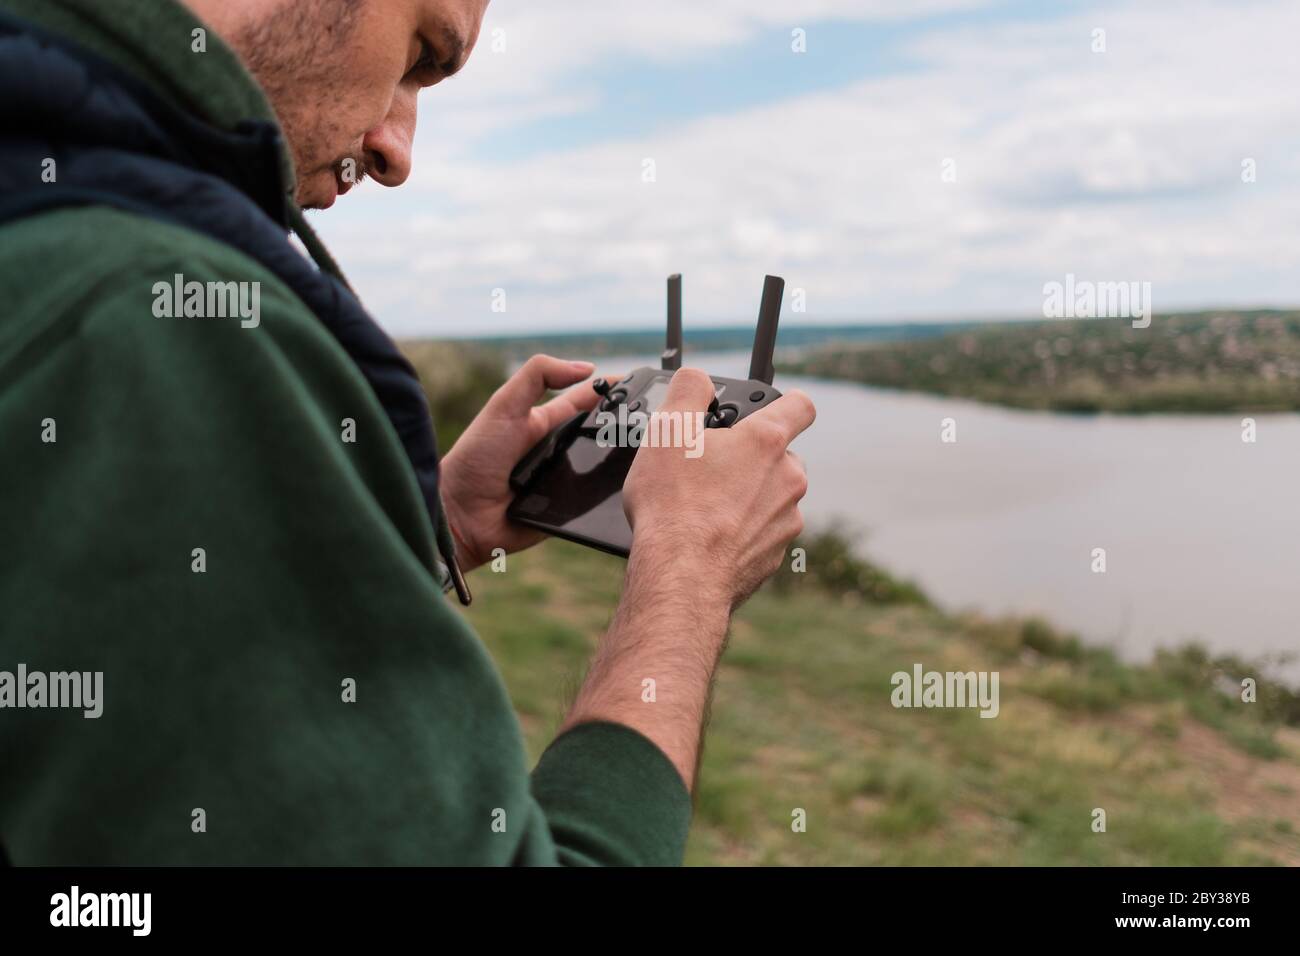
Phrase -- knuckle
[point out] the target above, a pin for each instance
(804, 403)
(799, 484)
(534, 367)
(778, 556)
(774, 563)
(770, 437)
(693, 378)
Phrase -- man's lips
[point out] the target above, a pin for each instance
(338, 186)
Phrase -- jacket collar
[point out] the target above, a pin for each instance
(154, 41)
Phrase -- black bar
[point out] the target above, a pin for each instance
(981, 906)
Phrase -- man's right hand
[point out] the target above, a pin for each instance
(706, 531)
(725, 517)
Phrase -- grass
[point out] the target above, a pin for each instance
(803, 727)
(802, 720)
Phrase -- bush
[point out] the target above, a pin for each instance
(1219, 679)
(458, 379)
(832, 564)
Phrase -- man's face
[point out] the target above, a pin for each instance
(343, 76)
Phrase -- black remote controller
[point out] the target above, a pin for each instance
(571, 484)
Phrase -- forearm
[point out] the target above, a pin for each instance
(669, 629)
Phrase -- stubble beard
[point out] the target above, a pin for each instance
(295, 52)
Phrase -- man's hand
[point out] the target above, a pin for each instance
(723, 518)
(476, 472)
(706, 532)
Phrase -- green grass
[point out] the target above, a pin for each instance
(1186, 772)
(802, 719)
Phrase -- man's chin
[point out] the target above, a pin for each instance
(316, 202)
(321, 194)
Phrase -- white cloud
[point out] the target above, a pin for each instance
(1119, 165)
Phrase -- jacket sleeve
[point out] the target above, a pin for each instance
(226, 528)
(610, 796)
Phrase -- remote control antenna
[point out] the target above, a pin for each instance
(769, 313)
(672, 357)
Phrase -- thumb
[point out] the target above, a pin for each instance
(535, 377)
(691, 390)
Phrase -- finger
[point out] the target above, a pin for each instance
(580, 398)
(522, 390)
(583, 398)
(793, 412)
(691, 390)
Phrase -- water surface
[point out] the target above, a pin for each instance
(1201, 530)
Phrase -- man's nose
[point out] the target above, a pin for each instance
(388, 145)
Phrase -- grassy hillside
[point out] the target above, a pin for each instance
(802, 719)
(1186, 772)
(1203, 362)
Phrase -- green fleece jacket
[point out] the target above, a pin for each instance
(228, 732)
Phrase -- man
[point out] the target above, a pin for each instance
(234, 516)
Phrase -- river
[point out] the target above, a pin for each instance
(1201, 530)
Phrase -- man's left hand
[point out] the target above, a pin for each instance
(476, 472)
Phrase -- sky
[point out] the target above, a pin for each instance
(894, 160)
